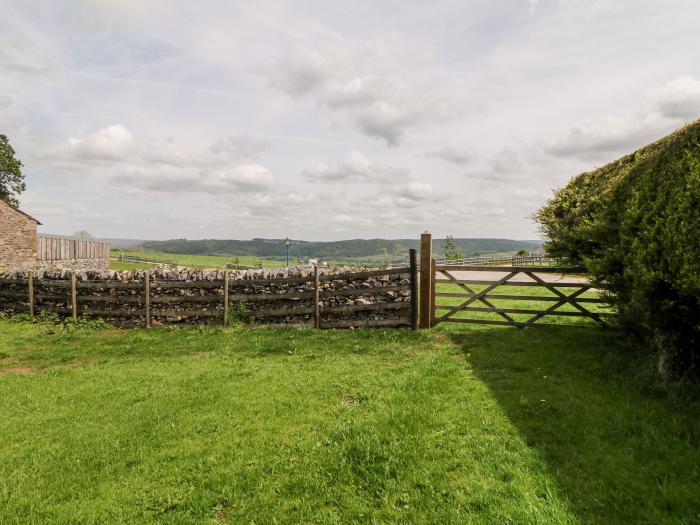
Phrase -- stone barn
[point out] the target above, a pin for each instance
(18, 237)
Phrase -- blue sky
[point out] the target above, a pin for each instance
(331, 120)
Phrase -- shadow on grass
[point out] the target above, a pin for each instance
(620, 450)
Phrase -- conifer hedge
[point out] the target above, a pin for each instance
(635, 224)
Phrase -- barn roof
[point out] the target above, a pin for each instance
(20, 211)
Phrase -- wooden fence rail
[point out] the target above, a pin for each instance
(370, 298)
(505, 260)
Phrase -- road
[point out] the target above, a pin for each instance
(521, 277)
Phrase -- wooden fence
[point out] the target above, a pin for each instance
(320, 301)
(62, 249)
(504, 260)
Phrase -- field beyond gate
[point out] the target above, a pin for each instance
(513, 296)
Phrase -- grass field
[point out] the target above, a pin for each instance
(192, 261)
(125, 265)
(483, 425)
(215, 261)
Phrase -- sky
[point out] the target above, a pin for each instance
(331, 120)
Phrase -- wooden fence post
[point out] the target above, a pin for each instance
(432, 292)
(30, 286)
(147, 291)
(317, 297)
(426, 277)
(73, 295)
(412, 257)
(226, 277)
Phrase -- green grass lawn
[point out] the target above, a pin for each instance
(125, 265)
(192, 261)
(479, 425)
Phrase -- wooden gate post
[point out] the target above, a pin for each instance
(413, 261)
(426, 278)
(432, 292)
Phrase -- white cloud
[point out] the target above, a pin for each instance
(357, 167)
(107, 144)
(596, 139)
(119, 146)
(576, 9)
(453, 154)
(507, 162)
(413, 195)
(417, 191)
(599, 138)
(5, 101)
(330, 74)
(166, 153)
(246, 178)
(8, 119)
(239, 147)
(679, 98)
(343, 218)
(349, 75)
(306, 70)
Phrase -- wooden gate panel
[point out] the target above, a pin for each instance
(444, 274)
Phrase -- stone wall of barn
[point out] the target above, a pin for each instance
(17, 238)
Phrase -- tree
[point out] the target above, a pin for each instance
(83, 235)
(449, 249)
(11, 177)
(522, 253)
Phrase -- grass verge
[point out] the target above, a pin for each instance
(488, 425)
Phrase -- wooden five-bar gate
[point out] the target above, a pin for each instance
(470, 293)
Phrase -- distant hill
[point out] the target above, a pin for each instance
(370, 249)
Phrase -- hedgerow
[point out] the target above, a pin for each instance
(635, 224)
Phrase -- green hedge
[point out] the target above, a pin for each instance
(635, 224)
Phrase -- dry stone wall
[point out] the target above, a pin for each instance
(74, 264)
(346, 298)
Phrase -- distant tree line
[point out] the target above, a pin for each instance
(389, 248)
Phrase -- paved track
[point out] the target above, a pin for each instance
(521, 277)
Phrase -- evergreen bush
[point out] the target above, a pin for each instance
(635, 224)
